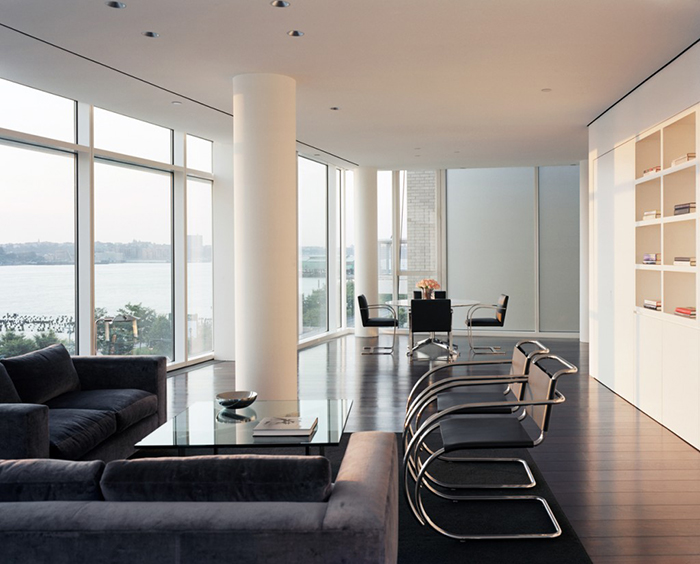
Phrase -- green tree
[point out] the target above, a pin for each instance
(314, 308)
(44, 339)
(13, 344)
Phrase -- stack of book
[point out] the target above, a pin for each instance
(651, 214)
(683, 261)
(652, 170)
(286, 427)
(652, 258)
(683, 159)
(686, 312)
(680, 209)
(653, 304)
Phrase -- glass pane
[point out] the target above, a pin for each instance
(200, 290)
(313, 229)
(37, 250)
(338, 249)
(35, 112)
(349, 248)
(129, 136)
(483, 261)
(384, 234)
(199, 153)
(133, 261)
(559, 245)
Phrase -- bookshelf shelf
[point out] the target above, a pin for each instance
(669, 153)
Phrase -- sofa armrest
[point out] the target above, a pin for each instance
(365, 497)
(148, 373)
(24, 430)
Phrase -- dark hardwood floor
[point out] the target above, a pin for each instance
(630, 487)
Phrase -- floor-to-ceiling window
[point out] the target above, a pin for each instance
(313, 247)
(133, 260)
(139, 195)
(385, 235)
(349, 215)
(37, 249)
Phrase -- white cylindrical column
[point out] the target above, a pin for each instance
(584, 200)
(366, 275)
(265, 234)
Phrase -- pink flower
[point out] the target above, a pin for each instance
(428, 283)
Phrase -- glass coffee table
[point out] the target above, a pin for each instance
(206, 424)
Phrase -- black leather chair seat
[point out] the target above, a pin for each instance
(485, 322)
(451, 399)
(483, 431)
(380, 322)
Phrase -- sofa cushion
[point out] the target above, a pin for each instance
(50, 480)
(44, 374)
(8, 393)
(129, 406)
(73, 432)
(237, 477)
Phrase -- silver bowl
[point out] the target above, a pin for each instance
(236, 400)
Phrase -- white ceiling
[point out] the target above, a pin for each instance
(420, 84)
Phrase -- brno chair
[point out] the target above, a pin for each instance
(368, 321)
(443, 388)
(497, 320)
(459, 431)
(440, 294)
(430, 316)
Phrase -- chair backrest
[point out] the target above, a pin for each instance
(541, 386)
(501, 309)
(431, 315)
(440, 294)
(417, 294)
(364, 311)
(523, 354)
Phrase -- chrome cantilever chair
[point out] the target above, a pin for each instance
(460, 431)
(431, 316)
(368, 321)
(439, 386)
(498, 319)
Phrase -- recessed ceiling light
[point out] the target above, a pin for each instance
(295, 33)
(317, 154)
(176, 103)
(456, 152)
(546, 90)
(335, 108)
(117, 5)
(279, 3)
(150, 34)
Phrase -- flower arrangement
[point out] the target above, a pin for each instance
(428, 284)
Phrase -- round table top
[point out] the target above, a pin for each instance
(455, 303)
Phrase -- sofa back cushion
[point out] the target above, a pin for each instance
(237, 477)
(8, 393)
(44, 374)
(43, 479)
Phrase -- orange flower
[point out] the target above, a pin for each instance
(428, 283)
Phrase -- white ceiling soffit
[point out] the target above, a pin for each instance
(419, 84)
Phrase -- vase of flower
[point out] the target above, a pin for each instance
(428, 286)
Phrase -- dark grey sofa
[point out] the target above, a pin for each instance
(78, 408)
(245, 508)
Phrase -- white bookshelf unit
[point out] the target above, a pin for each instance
(666, 177)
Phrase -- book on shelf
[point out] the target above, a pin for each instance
(651, 258)
(683, 159)
(653, 304)
(685, 311)
(651, 214)
(286, 427)
(652, 170)
(680, 209)
(683, 261)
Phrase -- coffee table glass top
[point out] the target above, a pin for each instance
(207, 424)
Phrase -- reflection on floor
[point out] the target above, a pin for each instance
(630, 487)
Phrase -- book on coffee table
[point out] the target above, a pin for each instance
(285, 427)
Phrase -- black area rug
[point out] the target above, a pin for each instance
(422, 545)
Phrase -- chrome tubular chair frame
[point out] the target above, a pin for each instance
(538, 408)
(499, 308)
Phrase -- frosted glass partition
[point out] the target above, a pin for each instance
(559, 248)
(491, 239)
